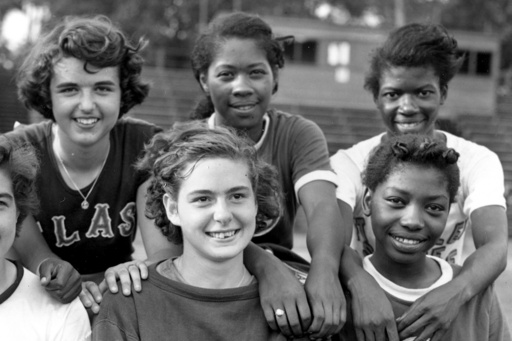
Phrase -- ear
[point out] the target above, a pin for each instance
(171, 208)
(203, 81)
(367, 202)
(275, 84)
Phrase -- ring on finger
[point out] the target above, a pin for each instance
(279, 313)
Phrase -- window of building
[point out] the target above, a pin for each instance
(477, 63)
(301, 52)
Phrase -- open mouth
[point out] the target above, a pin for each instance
(87, 121)
(407, 241)
(243, 107)
(408, 125)
(222, 235)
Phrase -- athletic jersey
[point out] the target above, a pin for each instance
(298, 149)
(481, 179)
(28, 312)
(480, 319)
(167, 309)
(99, 237)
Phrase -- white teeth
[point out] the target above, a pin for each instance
(409, 125)
(221, 235)
(406, 241)
(87, 121)
(245, 107)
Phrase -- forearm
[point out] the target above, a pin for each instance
(481, 269)
(259, 261)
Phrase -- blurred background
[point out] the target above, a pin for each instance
(325, 67)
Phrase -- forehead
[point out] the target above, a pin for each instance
(404, 74)
(215, 174)
(237, 51)
(70, 69)
(417, 179)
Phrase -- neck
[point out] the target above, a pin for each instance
(203, 273)
(421, 273)
(253, 133)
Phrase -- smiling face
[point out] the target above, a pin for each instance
(85, 105)
(409, 99)
(8, 212)
(216, 209)
(408, 214)
(240, 83)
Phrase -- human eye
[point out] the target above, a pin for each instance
(436, 208)
(201, 200)
(225, 75)
(396, 201)
(390, 94)
(258, 72)
(68, 90)
(425, 93)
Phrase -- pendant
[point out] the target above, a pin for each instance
(85, 205)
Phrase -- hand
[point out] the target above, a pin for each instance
(327, 302)
(91, 295)
(60, 279)
(283, 291)
(373, 316)
(432, 314)
(127, 273)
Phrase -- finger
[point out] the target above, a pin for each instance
(103, 286)
(426, 334)
(135, 277)
(339, 317)
(294, 322)
(282, 322)
(269, 316)
(414, 328)
(45, 273)
(144, 273)
(86, 299)
(126, 282)
(318, 319)
(409, 318)
(380, 335)
(305, 314)
(438, 335)
(327, 327)
(94, 291)
(392, 332)
(369, 335)
(111, 281)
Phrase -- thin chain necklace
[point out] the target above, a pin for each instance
(85, 203)
(178, 265)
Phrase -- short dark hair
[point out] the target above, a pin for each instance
(234, 25)
(170, 153)
(97, 42)
(416, 45)
(22, 164)
(414, 149)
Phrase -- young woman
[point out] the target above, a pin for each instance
(237, 62)
(27, 312)
(411, 182)
(409, 78)
(211, 194)
(83, 76)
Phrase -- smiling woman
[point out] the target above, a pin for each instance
(211, 194)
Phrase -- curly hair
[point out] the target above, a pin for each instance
(234, 25)
(170, 153)
(98, 43)
(416, 45)
(22, 165)
(418, 150)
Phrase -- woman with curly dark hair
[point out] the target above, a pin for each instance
(211, 194)
(83, 76)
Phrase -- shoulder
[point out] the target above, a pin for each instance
(284, 120)
(357, 154)
(467, 149)
(35, 133)
(136, 125)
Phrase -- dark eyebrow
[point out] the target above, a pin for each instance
(238, 188)
(6, 195)
(433, 197)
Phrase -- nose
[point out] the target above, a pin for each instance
(222, 214)
(412, 218)
(407, 105)
(242, 86)
(86, 102)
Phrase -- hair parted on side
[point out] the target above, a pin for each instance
(170, 153)
(238, 25)
(22, 164)
(416, 45)
(412, 149)
(94, 40)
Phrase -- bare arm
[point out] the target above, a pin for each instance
(435, 311)
(58, 277)
(325, 241)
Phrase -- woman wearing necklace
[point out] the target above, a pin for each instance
(210, 194)
(84, 76)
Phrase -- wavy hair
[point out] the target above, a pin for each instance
(170, 153)
(98, 43)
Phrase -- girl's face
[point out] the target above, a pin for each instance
(216, 209)
(8, 212)
(408, 213)
(409, 99)
(240, 83)
(85, 105)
